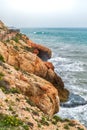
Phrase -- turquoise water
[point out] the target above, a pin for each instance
(69, 47)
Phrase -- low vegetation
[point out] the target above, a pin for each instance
(1, 75)
(44, 121)
(30, 49)
(11, 122)
(11, 90)
(2, 58)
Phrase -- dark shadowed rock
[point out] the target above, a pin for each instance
(74, 101)
(44, 52)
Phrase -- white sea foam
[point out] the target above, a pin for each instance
(58, 60)
(73, 67)
(78, 113)
(70, 60)
(66, 64)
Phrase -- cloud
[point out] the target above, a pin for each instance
(44, 12)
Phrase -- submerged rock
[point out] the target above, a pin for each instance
(74, 101)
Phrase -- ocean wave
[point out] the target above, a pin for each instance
(73, 67)
(78, 113)
(39, 32)
(70, 61)
(59, 61)
(76, 89)
(65, 64)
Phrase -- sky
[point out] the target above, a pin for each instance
(44, 13)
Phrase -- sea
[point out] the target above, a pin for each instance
(69, 57)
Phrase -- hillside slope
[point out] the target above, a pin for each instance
(30, 90)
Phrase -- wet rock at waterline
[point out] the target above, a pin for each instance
(74, 101)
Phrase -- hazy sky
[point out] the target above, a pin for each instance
(44, 13)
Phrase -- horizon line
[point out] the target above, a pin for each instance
(55, 27)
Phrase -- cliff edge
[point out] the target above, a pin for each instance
(30, 90)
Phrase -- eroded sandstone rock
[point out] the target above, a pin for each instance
(49, 65)
(40, 91)
(43, 52)
(29, 62)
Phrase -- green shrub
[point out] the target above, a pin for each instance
(16, 48)
(1, 75)
(11, 122)
(44, 121)
(71, 124)
(11, 90)
(57, 118)
(6, 120)
(16, 39)
(26, 127)
(27, 109)
(1, 58)
(66, 127)
(30, 102)
(16, 68)
(80, 128)
(54, 122)
(7, 40)
(30, 49)
(39, 125)
(67, 120)
(19, 35)
(14, 90)
(35, 113)
(10, 108)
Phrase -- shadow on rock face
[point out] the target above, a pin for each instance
(43, 55)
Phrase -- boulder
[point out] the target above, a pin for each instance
(41, 92)
(29, 62)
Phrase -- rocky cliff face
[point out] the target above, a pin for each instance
(19, 51)
(40, 83)
(39, 91)
(26, 76)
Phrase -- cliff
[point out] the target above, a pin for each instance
(30, 90)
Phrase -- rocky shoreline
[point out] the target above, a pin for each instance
(30, 90)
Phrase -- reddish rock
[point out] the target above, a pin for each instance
(28, 56)
(44, 52)
(49, 65)
(35, 79)
(41, 92)
(35, 51)
(29, 62)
